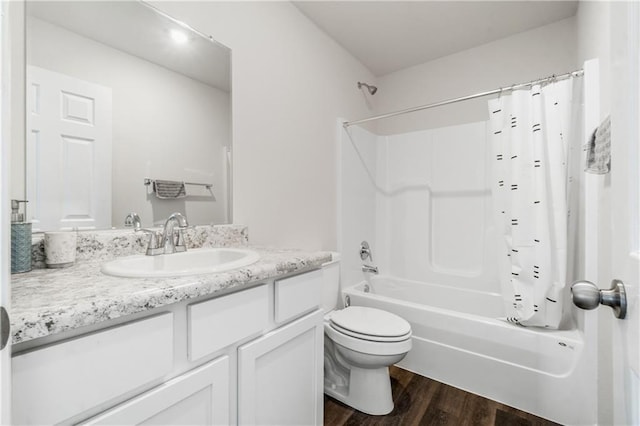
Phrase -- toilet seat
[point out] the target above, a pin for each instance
(370, 337)
(371, 347)
(370, 324)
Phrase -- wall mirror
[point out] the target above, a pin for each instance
(116, 93)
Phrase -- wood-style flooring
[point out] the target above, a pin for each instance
(422, 401)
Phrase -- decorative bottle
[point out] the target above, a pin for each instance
(20, 240)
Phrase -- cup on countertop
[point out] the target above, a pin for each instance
(60, 248)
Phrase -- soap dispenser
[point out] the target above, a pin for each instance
(20, 239)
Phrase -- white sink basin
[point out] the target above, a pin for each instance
(192, 262)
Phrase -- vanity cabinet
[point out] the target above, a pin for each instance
(56, 382)
(280, 375)
(217, 323)
(199, 397)
(226, 360)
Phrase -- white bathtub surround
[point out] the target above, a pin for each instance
(533, 133)
(423, 202)
(357, 197)
(60, 249)
(458, 340)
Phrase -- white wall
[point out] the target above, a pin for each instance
(165, 125)
(290, 84)
(519, 58)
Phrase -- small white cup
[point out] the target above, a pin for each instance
(60, 249)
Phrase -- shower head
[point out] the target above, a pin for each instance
(372, 89)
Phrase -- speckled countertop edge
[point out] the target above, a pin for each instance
(51, 301)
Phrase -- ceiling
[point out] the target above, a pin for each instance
(388, 36)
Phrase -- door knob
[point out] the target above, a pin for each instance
(5, 328)
(586, 295)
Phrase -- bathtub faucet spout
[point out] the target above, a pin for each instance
(370, 268)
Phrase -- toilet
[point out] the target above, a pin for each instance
(360, 343)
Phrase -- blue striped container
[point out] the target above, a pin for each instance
(20, 247)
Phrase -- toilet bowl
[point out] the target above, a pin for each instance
(360, 345)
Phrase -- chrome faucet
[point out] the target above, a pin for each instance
(132, 220)
(152, 246)
(370, 268)
(170, 243)
(365, 253)
(167, 241)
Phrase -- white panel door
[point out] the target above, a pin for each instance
(625, 209)
(68, 152)
(280, 375)
(5, 229)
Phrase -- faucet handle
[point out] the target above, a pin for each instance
(133, 220)
(153, 245)
(181, 244)
(365, 251)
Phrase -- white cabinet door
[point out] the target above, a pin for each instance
(56, 383)
(199, 397)
(280, 375)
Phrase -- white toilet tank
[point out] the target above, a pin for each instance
(331, 284)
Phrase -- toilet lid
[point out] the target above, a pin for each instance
(370, 322)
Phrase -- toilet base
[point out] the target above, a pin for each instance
(369, 391)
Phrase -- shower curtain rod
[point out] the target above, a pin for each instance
(577, 73)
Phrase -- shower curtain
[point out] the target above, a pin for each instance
(530, 136)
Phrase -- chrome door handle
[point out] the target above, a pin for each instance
(586, 295)
(5, 328)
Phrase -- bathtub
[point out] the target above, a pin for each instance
(458, 339)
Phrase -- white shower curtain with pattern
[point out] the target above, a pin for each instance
(530, 136)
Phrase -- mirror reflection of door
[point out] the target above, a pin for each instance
(68, 151)
(171, 111)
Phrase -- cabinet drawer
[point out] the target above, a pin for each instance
(220, 322)
(57, 382)
(297, 295)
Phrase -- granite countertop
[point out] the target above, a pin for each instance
(51, 301)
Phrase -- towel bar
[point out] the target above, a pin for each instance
(148, 182)
(169, 189)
